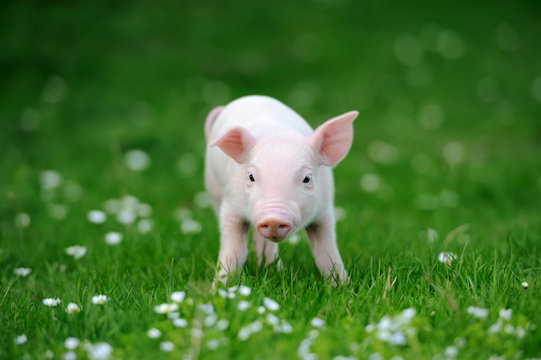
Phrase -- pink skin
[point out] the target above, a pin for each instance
(266, 168)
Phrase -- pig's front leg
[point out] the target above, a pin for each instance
(233, 247)
(322, 237)
(265, 249)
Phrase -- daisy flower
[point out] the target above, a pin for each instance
(72, 308)
(167, 346)
(113, 238)
(154, 333)
(178, 296)
(317, 322)
(165, 308)
(51, 302)
(271, 304)
(96, 216)
(99, 299)
(244, 290)
(446, 258)
(21, 339)
(22, 271)
(71, 343)
(76, 251)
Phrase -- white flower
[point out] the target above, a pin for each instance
(270, 304)
(72, 308)
(294, 239)
(202, 200)
(210, 320)
(57, 211)
(70, 355)
(143, 210)
(244, 290)
(96, 216)
(173, 315)
(21, 339)
(165, 308)
(179, 322)
(144, 226)
(113, 238)
(525, 285)
(76, 251)
(283, 327)
(261, 310)
(154, 333)
(99, 351)
(213, 344)
(406, 315)
(178, 296)
(397, 338)
(478, 312)
(190, 226)
(222, 324)
(99, 299)
(166, 346)
(446, 257)
(317, 322)
(137, 160)
(506, 314)
(496, 327)
(207, 308)
(451, 352)
(243, 305)
(51, 302)
(22, 220)
(272, 319)
(22, 271)
(71, 343)
(223, 293)
(431, 235)
(50, 179)
(249, 329)
(112, 206)
(370, 182)
(126, 216)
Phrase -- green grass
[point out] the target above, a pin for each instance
(103, 79)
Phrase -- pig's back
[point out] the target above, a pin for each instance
(260, 116)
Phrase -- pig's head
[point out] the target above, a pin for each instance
(282, 183)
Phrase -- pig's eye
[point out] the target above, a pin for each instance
(307, 179)
(251, 177)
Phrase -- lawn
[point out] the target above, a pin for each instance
(102, 108)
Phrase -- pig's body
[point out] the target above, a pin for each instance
(266, 168)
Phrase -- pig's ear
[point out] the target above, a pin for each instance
(333, 139)
(236, 143)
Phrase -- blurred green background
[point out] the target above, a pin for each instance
(449, 95)
(84, 81)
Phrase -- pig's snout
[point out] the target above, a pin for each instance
(274, 228)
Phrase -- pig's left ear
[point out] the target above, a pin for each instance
(236, 143)
(333, 139)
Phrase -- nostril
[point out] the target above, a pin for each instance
(283, 227)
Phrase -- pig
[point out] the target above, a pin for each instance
(266, 169)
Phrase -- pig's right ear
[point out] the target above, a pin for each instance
(236, 143)
(333, 139)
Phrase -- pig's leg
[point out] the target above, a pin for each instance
(233, 247)
(265, 249)
(322, 237)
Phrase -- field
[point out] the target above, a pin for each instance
(102, 109)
